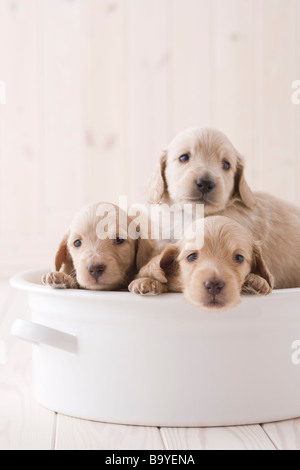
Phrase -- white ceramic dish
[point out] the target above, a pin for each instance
(120, 358)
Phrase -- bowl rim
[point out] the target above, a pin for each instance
(22, 281)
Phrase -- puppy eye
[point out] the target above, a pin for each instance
(184, 158)
(225, 165)
(238, 259)
(78, 243)
(119, 241)
(192, 257)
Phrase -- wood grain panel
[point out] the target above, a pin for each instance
(296, 107)
(190, 71)
(148, 88)
(61, 102)
(19, 158)
(276, 129)
(230, 438)
(232, 64)
(284, 434)
(76, 434)
(104, 100)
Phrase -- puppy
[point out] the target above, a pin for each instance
(201, 166)
(213, 276)
(97, 252)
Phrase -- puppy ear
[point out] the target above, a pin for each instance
(157, 185)
(161, 265)
(259, 266)
(242, 190)
(145, 250)
(63, 257)
(168, 261)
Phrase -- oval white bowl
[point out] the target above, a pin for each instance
(121, 358)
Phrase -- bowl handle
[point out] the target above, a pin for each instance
(40, 334)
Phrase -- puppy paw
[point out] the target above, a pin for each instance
(147, 286)
(256, 285)
(59, 280)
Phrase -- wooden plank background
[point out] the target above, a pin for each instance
(96, 88)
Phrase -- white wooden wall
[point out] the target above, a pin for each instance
(96, 88)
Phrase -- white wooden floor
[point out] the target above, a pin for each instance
(25, 425)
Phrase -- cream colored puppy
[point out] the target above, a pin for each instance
(201, 166)
(97, 252)
(213, 276)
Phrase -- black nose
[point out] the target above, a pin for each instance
(205, 185)
(96, 271)
(214, 287)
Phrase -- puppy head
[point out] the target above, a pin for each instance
(99, 250)
(212, 276)
(200, 166)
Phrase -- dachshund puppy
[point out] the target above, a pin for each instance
(211, 276)
(201, 166)
(98, 252)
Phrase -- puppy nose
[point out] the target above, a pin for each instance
(214, 287)
(96, 270)
(205, 185)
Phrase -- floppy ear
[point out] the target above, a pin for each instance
(161, 265)
(168, 261)
(145, 250)
(242, 190)
(259, 266)
(63, 258)
(157, 185)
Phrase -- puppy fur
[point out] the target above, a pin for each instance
(210, 276)
(101, 249)
(212, 157)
